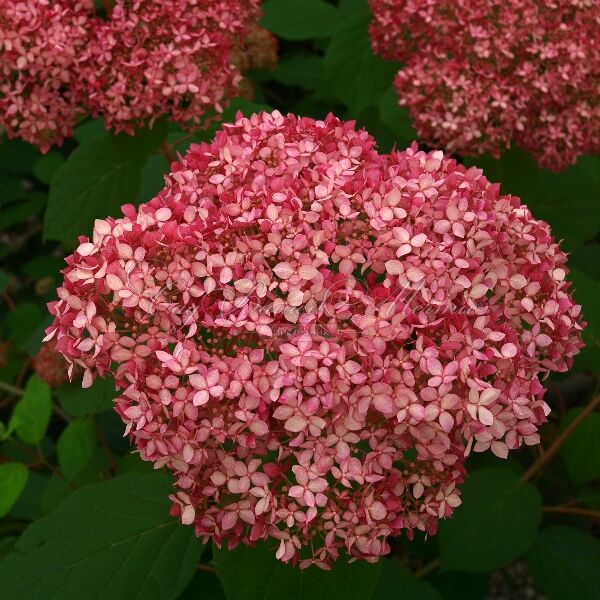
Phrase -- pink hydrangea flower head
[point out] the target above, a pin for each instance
(40, 41)
(313, 336)
(173, 57)
(478, 76)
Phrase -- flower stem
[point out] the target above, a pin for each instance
(11, 389)
(207, 568)
(572, 510)
(428, 568)
(167, 152)
(559, 441)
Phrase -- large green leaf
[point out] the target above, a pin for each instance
(353, 73)
(565, 563)
(204, 586)
(13, 477)
(255, 574)
(97, 179)
(497, 522)
(299, 19)
(113, 539)
(581, 450)
(32, 412)
(47, 165)
(17, 157)
(397, 583)
(23, 321)
(75, 446)
(79, 402)
(458, 585)
(302, 70)
(396, 118)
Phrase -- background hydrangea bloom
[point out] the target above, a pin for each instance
(164, 58)
(40, 41)
(477, 76)
(145, 60)
(313, 336)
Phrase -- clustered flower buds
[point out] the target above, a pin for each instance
(258, 51)
(51, 366)
(477, 76)
(145, 60)
(313, 336)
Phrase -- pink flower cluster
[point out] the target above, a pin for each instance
(145, 60)
(477, 76)
(171, 57)
(313, 336)
(40, 41)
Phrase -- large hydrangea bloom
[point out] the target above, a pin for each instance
(477, 76)
(312, 336)
(40, 41)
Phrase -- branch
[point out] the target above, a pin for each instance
(11, 389)
(207, 568)
(428, 568)
(559, 441)
(167, 152)
(572, 510)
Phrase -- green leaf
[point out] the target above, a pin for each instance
(370, 120)
(29, 504)
(299, 19)
(23, 321)
(255, 574)
(581, 450)
(132, 463)
(55, 492)
(94, 182)
(113, 539)
(497, 522)
(352, 72)
(32, 412)
(79, 402)
(587, 260)
(589, 496)
(457, 585)
(75, 446)
(246, 107)
(396, 118)
(13, 477)
(17, 213)
(302, 70)
(153, 177)
(17, 157)
(565, 563)
(12, 188)
(97, 179)
(90, 130)
(204, 585)
(396, 582)
(46, 165)
(43, 265)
